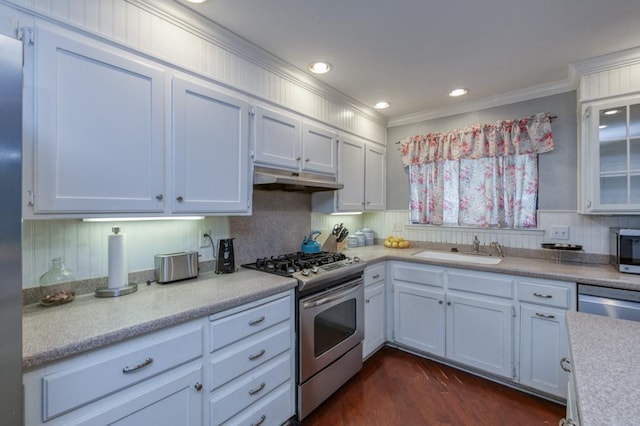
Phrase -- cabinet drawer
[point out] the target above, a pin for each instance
(374, 274)
(232, 361)
(87, 378)
(481, 283)
(272, 410)
(235, 327)
(419, 274)
(546, 294)
(231, 399)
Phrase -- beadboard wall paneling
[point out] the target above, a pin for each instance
(622, 80)
(591, 232)
(192, 46)
(84, 244)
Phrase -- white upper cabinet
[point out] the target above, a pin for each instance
(99, 136)
(375, 178)
(362, 170)
(319, 147)
(284, 141)
(611, 156)
(609, 135)
(210, 150)
(278, 139)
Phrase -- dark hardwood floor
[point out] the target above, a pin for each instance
(397, 388)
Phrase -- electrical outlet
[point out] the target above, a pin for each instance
(397, 226)
(560, 232)
(204, 241)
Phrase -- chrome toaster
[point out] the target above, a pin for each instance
(176, 266)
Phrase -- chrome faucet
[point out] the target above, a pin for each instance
(498, 248)
(476, 244)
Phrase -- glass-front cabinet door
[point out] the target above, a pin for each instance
(611, 139)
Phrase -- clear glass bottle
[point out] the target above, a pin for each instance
(57, 274)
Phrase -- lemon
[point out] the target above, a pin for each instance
(394, 244)
(387, 243)
(404, 244)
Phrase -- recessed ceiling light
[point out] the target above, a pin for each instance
(611, 112)
(319, 67)
(382, 105)
(458, 92)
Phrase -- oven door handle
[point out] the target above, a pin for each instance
(331, 297)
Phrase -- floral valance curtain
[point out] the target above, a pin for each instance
(531, 135)
(483, 176)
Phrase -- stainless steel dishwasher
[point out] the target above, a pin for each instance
(609, 302)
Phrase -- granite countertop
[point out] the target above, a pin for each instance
(595, 274)
(604, 362)
(51, 333)
(88, 322)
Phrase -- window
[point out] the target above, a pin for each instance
(483, 176)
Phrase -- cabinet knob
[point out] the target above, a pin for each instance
(306, 159)
(368, 202)
(565, 364)
(376, 276)
(198, 386)
(297, 158)
(366, 301)
(448, 303)
(159, 197)
(180, 198)
(439, 302)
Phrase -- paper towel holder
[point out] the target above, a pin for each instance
(120, 291)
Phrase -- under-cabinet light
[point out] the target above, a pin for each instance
(139, 219)
(603, 126)
(458, 92)
(345, 213)
(611, 112)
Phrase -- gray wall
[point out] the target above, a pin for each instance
(557, 169)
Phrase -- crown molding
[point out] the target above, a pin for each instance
(606, 62)
(521, 95)
(205, 28)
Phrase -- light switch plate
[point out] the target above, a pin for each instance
(560, 232)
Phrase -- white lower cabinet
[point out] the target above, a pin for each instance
(504, 325)
(251, 366)
(374, 309)
(162, 378)
(153, 379)
(572, 418)
(480, 333)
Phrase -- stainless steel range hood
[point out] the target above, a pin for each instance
(274, 179)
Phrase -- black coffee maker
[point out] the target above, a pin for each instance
(226, 263)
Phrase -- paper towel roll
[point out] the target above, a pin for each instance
(117, 259)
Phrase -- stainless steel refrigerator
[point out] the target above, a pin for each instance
(11, 393)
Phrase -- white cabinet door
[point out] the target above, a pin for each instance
(319, 148)
(210, 150)
(99, 142)
(610, 160)
(480, 333)
(375, 178)
(419, 317)
(543, 343)
(278, 139)
(374, 318)
(351, 175)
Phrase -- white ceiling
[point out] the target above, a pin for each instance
(412, 52)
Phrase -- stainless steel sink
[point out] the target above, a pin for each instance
(458, 257)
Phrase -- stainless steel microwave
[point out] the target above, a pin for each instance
(624, 246)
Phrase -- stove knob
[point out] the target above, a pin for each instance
(315, 269)
(305, 272)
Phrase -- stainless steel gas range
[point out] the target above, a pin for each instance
(330, 320)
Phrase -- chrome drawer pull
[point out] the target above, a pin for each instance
(259, 422)
(258, 321)
(538, 314)
(144, 364)
(258, 389)
(544, 296)
(565, 361)
(256, 356)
